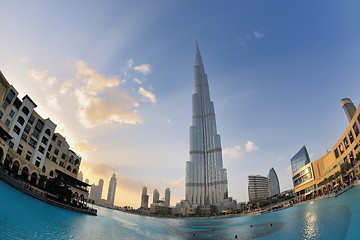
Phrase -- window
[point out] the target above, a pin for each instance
(41, 149)
(10, 96)
(356, 129)
(59, 143)
(27, 128)
(49, 148)
(37, 163)
(11, 144)
(44, 140)
(32, 142)
(48, 132)
(12, 113)
(17, 103)
(336, 152)
(56, 151)
(24, 137)
(351, 137)
(31, 119)
(53, 159)
(48, 155)
(7, 122)
(346, 143)
(4, 106)
(16, 129)
(39, 125)
(28, 155)
(25, 110)
(62, 164)
(19, 150)
(53, 137)
(35, 134)
(51, 173)
(63, 156)
(1, 114)
(21, 120)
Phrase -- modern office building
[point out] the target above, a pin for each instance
(348, 107)
(31, 147)
(273, 183)
(144, 199)
(112, 189)
(156, 196)
(336, 167)
(258, 188)
(300, 159)
(206, 179)
(167, 197)
(96, 190)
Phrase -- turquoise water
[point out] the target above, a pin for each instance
(22, 217)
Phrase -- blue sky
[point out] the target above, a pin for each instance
(277, 72)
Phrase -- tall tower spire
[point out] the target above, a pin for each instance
(206, 180)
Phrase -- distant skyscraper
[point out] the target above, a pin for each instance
(167, 197)
(96, 190)
(273, 182)
(348, 107)
(258, 188)
(144, 199)
(156, 196)
(112, 189)
(206, 179)
(300, 159)
(80, 176)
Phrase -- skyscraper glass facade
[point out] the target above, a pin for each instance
(300, 159)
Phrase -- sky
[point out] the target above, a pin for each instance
(117, 79)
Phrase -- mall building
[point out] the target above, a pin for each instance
(29, 146)
(338, 166)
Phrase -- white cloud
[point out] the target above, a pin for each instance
(83, 146)
(94, 109)
(143, 68)
(37, 75)
(178, 182)
(65, 86)
(147, 94)
(137, 80)
(250, 146)
(258, 34)
(52, 101)
(233, 153)
(130, 63)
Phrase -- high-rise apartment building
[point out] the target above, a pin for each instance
(112, 189)
(273, 183)
(156, 196)
(300, 159)
(96, 190)
(348, 107)
(144, 199)
(167, 197)
(206, 179)
(258, 188)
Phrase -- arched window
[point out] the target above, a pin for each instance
(25, 110)
(68, 168)
(51, 174)
(77, 161)
(47, 131)
(74, 171)
(21, 120)
(43, 169)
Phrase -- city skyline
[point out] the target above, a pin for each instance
(277, 77)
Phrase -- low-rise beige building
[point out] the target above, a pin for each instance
(29, 146)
